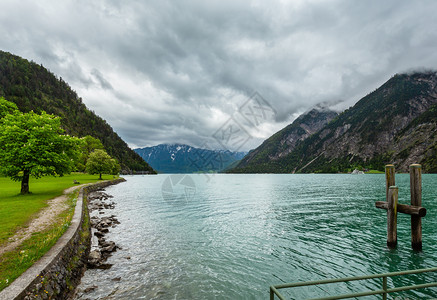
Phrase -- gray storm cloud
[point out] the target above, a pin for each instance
(176, 71)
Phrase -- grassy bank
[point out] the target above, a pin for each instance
(15, 262)
(374, 172)
(17, 210)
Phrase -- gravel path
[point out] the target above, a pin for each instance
(45, 218)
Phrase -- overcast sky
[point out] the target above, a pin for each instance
(197, 72)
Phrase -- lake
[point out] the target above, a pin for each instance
(229, 236)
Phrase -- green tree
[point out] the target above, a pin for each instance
(34, 145)
(99, 162)
(115, 167)
(7, 108)
(87, 145)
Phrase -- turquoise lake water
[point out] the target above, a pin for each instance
(232, 236)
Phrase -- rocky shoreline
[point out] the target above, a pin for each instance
(101, 249)
(57, 274)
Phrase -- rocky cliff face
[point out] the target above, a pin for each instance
(284, 142)
(417, 142)
(394, 124)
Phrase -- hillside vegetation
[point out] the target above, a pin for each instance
(32, 87)
(397, 123)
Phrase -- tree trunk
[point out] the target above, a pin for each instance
(100, 178)
(25, 182)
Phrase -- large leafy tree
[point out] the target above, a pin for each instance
(87, 145)
(7, 108)
(99, 162)
(34, 145)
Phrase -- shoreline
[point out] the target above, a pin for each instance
(58, 272)
(99, 206)
(100, 248)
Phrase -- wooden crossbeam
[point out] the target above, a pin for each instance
(404, 208)
(392, 206)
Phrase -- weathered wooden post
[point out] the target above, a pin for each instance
(393, 207)
(392, 217)
(389, 179)
(416, 200)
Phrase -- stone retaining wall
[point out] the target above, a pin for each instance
(58, 272)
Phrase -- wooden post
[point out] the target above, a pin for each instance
(392, 233)
(391, 195)
(416, 200)
(389, 179)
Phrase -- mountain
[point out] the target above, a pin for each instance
(32, 87)
(178, 158)
(285, 141)
(396, 124)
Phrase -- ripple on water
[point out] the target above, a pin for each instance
(241, 233)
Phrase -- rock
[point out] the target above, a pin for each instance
(116, 279)
(109, 206)
(49, 290)
(90, 289)
(94, 221)
(115, 220)
(108, 245)
(104, 230)
(108, 248)
(38, 286)
(101, 226)
(95, 254)
(106, 195)
(106, 220)
(98, 203)
(99, 234)
(104, 266)
(94, 258)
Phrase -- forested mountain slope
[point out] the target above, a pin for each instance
(33, 87)
(394, 124)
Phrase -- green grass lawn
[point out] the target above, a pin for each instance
(17, 210)
(18, 260)
(375, 172)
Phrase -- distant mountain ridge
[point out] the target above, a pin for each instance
(179, 158)
(396, 123)
(32, 87)
(285, 141)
